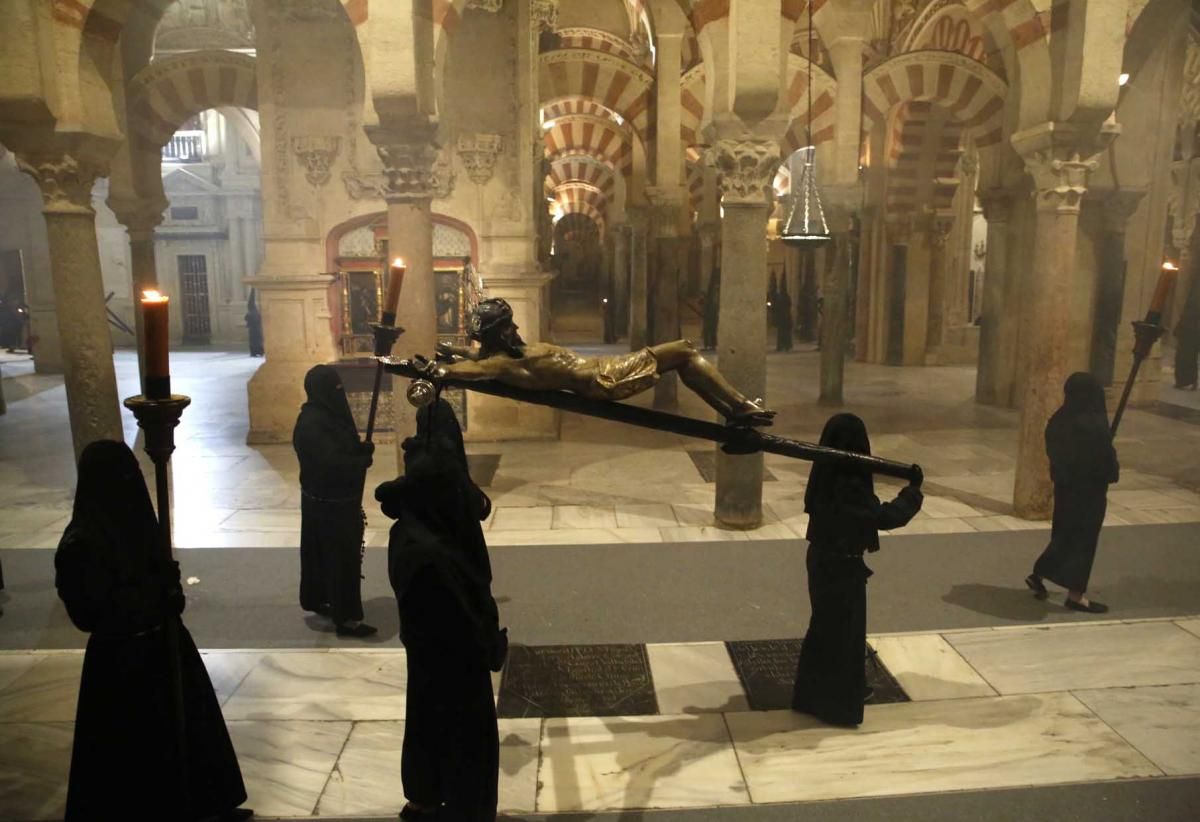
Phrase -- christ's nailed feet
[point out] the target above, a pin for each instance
(752, 414)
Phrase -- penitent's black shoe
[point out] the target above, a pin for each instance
(1092, 607)
(410, 812)
(1035, 585)
(357, 631)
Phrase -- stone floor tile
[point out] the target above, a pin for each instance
(316, 685)
(1192, 626)
(592, 764)
(521, 519)
(35, 759)
(47, 691)
(1161, 722)
(944, 507)
(574, 536)
(583, 516)
(926, 747)
(654, 515)
(286, 764)
(13, 665)
(1068, 657)
(700, 533)
(695, 677)
(227, 670)
(928, 668)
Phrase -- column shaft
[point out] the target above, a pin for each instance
(998, 322)
(638, 297)
(410, 235)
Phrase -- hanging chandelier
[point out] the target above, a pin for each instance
(806, 226)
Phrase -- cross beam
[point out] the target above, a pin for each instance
(734, 439)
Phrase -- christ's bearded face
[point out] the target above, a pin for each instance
(504, 337)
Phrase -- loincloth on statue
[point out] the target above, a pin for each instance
(622, 376)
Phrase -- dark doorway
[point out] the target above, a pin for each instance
(193, 282)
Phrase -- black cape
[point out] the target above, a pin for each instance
(333, 467)
(1083, 463)
(449, 623)
(116, 586)
(845, 518)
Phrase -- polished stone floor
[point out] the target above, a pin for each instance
(1007, 707)
(601, 483)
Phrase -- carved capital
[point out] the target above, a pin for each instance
(996, 204)
(938, 229)
(1060, 178)
(478, 153)
(544, 14)
(491, 6)
(1119, 206)
(413, 171)
(66, 181)
(747, 168)
(316, 155)
(139, 216)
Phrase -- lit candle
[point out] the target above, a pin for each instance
(392, 301)
(1165, 280)
(155, 335)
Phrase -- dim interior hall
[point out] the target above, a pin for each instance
(1000, 191)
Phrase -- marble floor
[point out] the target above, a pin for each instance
(318, 733)
(599, 484)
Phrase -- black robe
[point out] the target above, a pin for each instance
(116, 586)
(333, 465)
(449, 623)
(254, 327)
(845, 518)
(783, 320)
(1083, 463)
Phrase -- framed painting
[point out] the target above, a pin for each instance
(449, 296)
(360, 307)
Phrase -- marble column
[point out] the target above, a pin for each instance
(1118, 207)
(1060, 167)
(665, 325)
(140, 218)
(638, 296)
(997, 326)
(747, 168)
(408, 166)
(87, 352)
(835, 312)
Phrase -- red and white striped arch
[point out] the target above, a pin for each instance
(580, 169)
(578, 37)
(162, 96)
(612, 81)
(916, 133)
(823, 93)
(584, 134)
(970, 91)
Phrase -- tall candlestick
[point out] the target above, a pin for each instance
(155, 330)
(1159, 301)
(392, 301)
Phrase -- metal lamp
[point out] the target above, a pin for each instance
(806, 226)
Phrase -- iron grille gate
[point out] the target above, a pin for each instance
(193, 282)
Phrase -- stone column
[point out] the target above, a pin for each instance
(638, 297)
(1059, 167)
(665, 325)
(87, 352)
(998, 325)
(747, 169)
(835, 296)
(408, 166)
(140, 218)
(620, 282)
(938, 235)
(707, 235)
(1118, 206)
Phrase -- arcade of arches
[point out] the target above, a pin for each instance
(1003, 182)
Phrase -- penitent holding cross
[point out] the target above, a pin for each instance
(504, 357)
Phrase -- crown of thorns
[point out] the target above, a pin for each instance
(488, 315)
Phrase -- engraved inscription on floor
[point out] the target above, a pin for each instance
(577, 680)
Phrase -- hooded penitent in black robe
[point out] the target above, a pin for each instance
(783, 319)
(333, 465)
(845, 518)
(254, 327)
(1083, 463)
(117, 586)
(439, 570)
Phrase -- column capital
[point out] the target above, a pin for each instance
(747, 169)
(1060, 160)
(409, 155)
(1118, 207)
(65, 180)
(997, 204)
(139, 215)
(478, 153)
(544, 14)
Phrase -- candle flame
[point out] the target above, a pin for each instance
(1169, 266)
(398, 262)
(153, 296)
